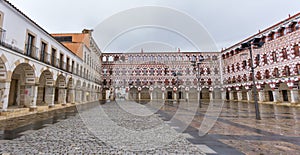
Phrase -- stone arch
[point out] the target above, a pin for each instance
(45, 88)
(22, 86)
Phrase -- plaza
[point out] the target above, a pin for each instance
(61, 94)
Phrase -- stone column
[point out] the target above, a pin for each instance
(231, 97)
(139, 95)
(33, 106)
(261, 95)
(163, 95)
(187, 95)
(62, 95)
(175, 95)
(294, 96)
(240, 95)
(223, 95)
(276, 95)
(211, 95)
(5, 96)
(49, 98)
(249, 95)
(72, 95)
(151, 95)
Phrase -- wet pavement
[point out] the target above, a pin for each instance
(238, 132)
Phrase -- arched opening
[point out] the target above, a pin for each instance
(268, 93)
(145, 95)
(22, 86)
(244, 94)
(204, 94)
(60, 90)
(45, 89)
(133, 94)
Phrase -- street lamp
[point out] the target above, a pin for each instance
(254, 43)
(194, 64)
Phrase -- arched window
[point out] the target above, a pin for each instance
(298, 69)
(267, 74)
(274, 56)
(276, 73)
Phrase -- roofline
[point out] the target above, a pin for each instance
(262, 32)
(166, 53)
(14, 7)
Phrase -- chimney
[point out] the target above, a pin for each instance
(86, 31)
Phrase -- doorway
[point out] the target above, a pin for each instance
(271, 98)
(285, 95)
(170, 95)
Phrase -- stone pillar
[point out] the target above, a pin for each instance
(139, 95)
(294, 96)
(151, 95)
(276, 95)
(175, 96)
(211, 95)
(231, 97)
(72, 95)
(163, 95)
(33, 106)
(5, 96)
(62, 96)
(49, 98)
(240, 95)
(249, 95)
(223, 95)
(261, 96)
(187, 95)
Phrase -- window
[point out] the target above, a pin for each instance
(53, 56)
(284, 54)
(43, 51)
(286, 71)
(265, 59)
(30, 44)
(68, 64)
(244, 64)
(274, 57)
(77, 69)
(276, 73)
(296, 50)
(61, 61)
(298, 69)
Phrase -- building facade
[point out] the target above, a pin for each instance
(161, 76)
(277, 65)
(36, 69)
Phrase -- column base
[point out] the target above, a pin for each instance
(64, 104)
(33, 109)
(51, 106)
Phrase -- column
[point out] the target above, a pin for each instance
(187, 95)
(231, 97)
(211, 95)
(163, 95)
(34, 97)
(5, 96)
(240, 95)
(62, 96)
(276, 95)
(151, 95)
(249, 95)
(72, 95)
(49, 98)
(261, 95)
(175, 95)
(294, 96)
(223, 95)
(139, 97)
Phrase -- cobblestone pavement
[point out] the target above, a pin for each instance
(76, 135)
(237, 131)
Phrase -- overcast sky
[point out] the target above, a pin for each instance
(228, 21)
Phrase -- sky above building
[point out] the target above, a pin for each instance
(227, 22)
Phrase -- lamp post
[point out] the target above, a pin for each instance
(257, 43)
(194, 64)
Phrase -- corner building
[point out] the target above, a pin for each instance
(36, 69)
